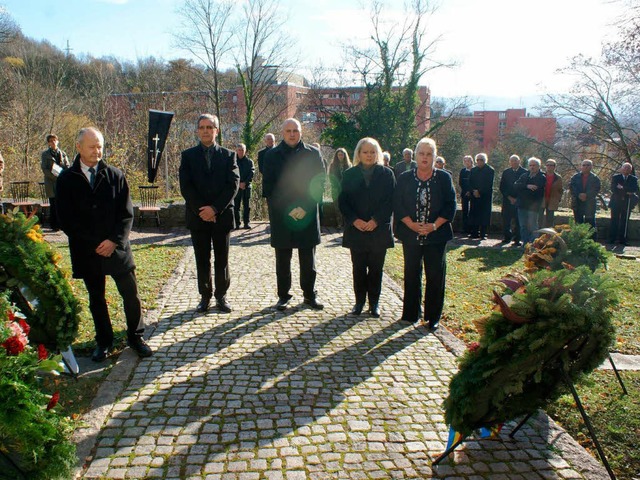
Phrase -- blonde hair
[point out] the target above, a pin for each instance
(428, 141)
(373, 142)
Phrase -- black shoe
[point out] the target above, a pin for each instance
(357, 309)
(313, 303)
(483, 237)
(100, 354)
(203, 306)
(282, 303)
(433, 326)
(139, 346)
(517, 244)
(506, 241)
(223, 305)
(374, 310)
(247, 227)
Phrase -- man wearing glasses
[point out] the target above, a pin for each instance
(584, 188)
(209, 180)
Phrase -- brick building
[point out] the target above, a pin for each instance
(487, 127)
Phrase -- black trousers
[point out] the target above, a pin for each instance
(509, 216)
(432, 258)
(367, 274)
(307, 259)
(53, 216)
(202, 241)
(243, 197)
(618, 227)
(582, 214)
(466, 201)
(128, 289)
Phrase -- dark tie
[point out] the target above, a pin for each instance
(208, 154)
(92, 178)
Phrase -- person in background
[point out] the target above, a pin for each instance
(584, 188)
(386, 159)
(209, 181)
(624, 197)
(96, 213)
(52, 162)
(406, 164)
(293, 184)
(465, 191)
(246, 169)
(340, 163)
(553, 190)
(440, 165)
(530, 191)
(366, 203)
(424, 204)
(510, 221)
(481, 183)
(269, 142)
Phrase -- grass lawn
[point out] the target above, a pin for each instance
(154, 265)
(471, 272)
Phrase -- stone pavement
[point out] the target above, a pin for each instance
(299, 394)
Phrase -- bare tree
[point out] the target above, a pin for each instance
(206, 33)
(8, 28)
(265, 63)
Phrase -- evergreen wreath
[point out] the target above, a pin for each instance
(558, 318)
(29, 268)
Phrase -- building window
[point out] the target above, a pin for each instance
(502, 115)
(355, 96)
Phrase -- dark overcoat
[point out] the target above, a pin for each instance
(507, 183)
(89, 216)
(293, 177)
(592, 189)
(463, 181)
(530, 199)
(619, 196)
(443, 204)
(481, 179)
(215, 187)
(359, 201)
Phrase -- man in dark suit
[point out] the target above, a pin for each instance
(50, 157)
(481, 183)
(269, 142)
(293, 184)
(209, 179)
(584, 187)
(624, 197)
(95, 211)
(247, 170)
(509, 200)
(407, 163)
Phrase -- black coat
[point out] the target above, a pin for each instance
(216, 188)
(463, 181)
(293, 177)
(592, 189)
(401, 167)
(481, 179)
(620, 197)
(507, 183)
(261, 154)
(530, 199)
(247, 170)
(443, 204)
(89, 216)
(359, 201)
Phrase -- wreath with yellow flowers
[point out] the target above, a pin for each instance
(29, 269)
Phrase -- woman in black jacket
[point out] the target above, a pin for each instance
(366, 202)
(424, 204)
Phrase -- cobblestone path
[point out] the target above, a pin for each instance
(302, 394)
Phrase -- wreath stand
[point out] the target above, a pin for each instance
(569, 384)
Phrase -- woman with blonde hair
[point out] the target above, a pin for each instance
(424, 204)
(366, 203)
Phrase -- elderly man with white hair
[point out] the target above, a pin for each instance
(530, 190)
(407, 163)
(624, 197)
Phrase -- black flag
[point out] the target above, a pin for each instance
(159, 123)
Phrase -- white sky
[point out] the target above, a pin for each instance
(507, 48)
